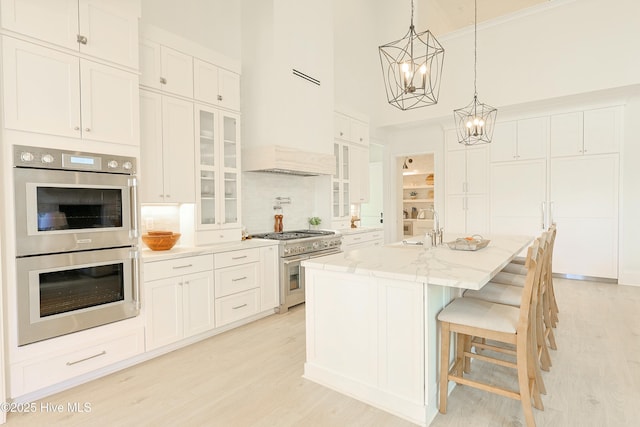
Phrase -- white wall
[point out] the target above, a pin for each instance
(214, 24)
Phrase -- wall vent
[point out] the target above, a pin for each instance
(305, 76)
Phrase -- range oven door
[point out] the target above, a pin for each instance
(62, 211)
(64, 293)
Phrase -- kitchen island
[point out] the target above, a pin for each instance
(371, 327)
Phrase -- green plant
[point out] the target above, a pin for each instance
(413, 193)
(315, 220)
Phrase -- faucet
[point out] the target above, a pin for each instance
(437, 232)
(436, 220)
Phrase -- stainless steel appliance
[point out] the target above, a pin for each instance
(76, 241)
(295, 247)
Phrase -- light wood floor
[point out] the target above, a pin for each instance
(252, 377)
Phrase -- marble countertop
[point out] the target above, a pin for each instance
(358, 230)
(184, 251)
(438, 266)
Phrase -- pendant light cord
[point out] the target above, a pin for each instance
(475, 49)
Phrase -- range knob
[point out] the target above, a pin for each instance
(47, 158)
(315, 245)
(112, 164)
(127, 166)
(26, 156)
(287, 251)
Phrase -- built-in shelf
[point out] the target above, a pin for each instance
(417, 187)
(417, 200)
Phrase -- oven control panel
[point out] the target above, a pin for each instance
(49, 158)
(302, 247)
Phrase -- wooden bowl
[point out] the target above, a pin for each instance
(160, 240)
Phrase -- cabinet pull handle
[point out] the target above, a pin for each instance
(239, 257)
(182, 266)
(102, 353)
(219, 97)
(239, 306)
(81, 39)
(239, 278)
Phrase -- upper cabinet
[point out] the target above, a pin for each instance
(51, 92)
(520, 140)
(586, 132)
(104, 29)
(166, 69)
(215, 85)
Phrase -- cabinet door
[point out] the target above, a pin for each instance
(455, 172)
(477, 215)
(111, 30)
(207, 162)
(151, 169)
(602, 131)
(518, 190)
(230, 137)
(341, 127)
(360, 132)
(359, 174)
(41, 89)
(566, 134)
(533, 135)
(270, 281)
(178, 152)
(150, 64)
(198, 303)
(164, 312)
(205, 82)
(455, 214)
(110, 104)
(504, 142)
(477, 181)
(228, 89)
(52, 21)
(584, 193)
(176, 72)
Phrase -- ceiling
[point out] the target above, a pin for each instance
(444, 16)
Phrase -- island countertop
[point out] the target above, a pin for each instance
(437, 266)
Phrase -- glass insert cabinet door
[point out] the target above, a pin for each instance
(218, 175)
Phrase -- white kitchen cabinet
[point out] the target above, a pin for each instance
(181, 304)
(217, 168)
(595, 131)
(341, 183)
(270, 277)
(237, 285)
(362, 239)
(105, 29)
(518, 196)
(50, 92)
(467, 179)
(359, 164)
(166, 69)
(167, 146)
(215, 85)
(520, 140)
(584, 198)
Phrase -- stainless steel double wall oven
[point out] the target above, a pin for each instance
(76, 241)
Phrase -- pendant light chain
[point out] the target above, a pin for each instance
(475, 49)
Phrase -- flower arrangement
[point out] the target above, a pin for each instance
(413, 194)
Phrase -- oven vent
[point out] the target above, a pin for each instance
(305, 76)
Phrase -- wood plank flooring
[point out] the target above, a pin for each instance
(251, 376)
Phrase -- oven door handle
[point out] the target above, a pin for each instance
(133, 198)
(135, 263)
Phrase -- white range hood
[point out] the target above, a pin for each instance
(287, 160)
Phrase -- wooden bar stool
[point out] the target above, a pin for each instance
(470, 317)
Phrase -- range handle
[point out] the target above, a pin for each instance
(133, 198)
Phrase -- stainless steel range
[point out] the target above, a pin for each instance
(295, 247)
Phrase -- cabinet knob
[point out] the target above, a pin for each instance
(76, 128)
(81, 39)
(163, 81)
(219, 97)
(87, 129)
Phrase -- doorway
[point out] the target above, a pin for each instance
(416, 191)
(372, 212)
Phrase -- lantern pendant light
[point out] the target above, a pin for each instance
(476, 121)
(411, 69)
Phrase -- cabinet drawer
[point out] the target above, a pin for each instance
(31, 376)
(232, 280)
(229, 259)
(177, 267)
(236, 307)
